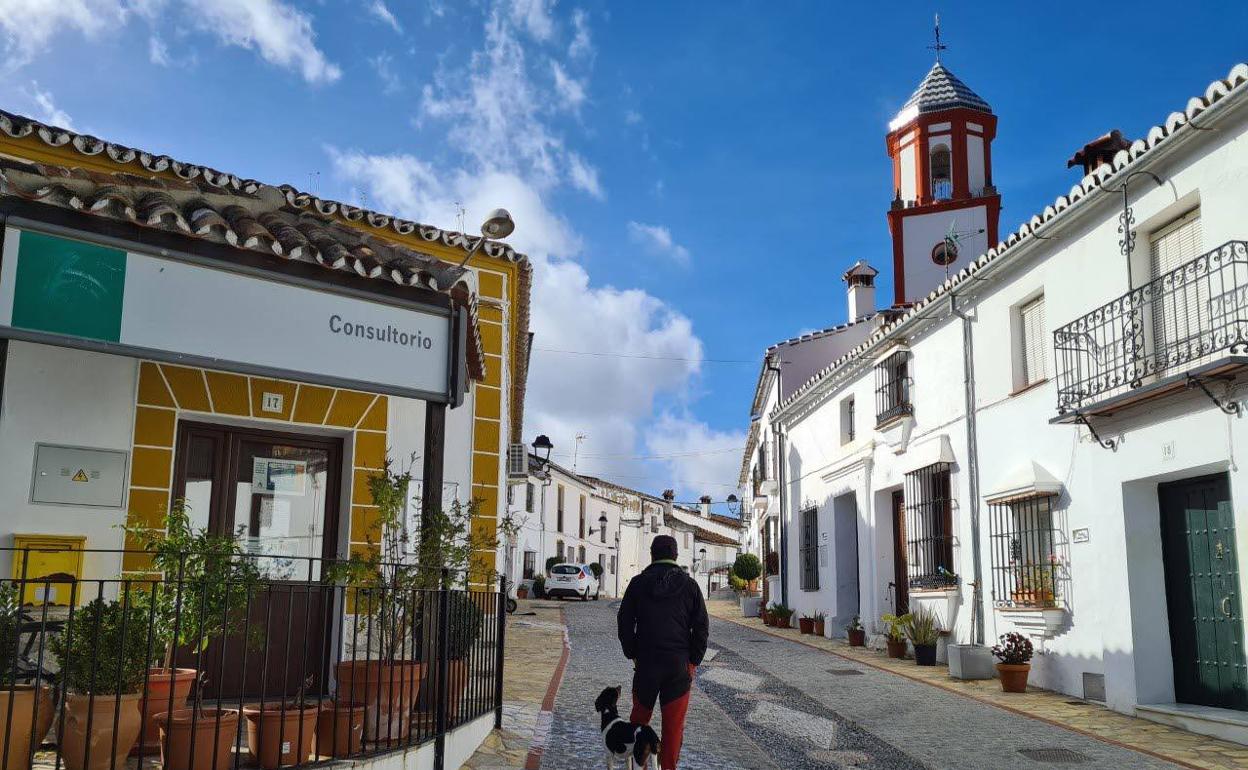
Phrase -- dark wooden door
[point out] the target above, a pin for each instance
(1202, 591)
(278, 493)
(901, 571)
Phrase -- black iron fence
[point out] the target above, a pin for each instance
(1025, 562)
(929, 528)
(892, 387)
(1172, 323)
(229, 669)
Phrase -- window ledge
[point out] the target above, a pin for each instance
(1027, 388)
(1039, 622)
(934, 591)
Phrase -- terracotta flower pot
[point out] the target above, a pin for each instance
(29, 719)
(820, 627)
(896, 648)
(806, 625)
(204, 742)
(115, 723)
(339, 730)
(857, 637)
(1014, 676)
(925, 654)
(782, 623)
(387, 690)
(522, 592)
(277, 736)
(161, 682)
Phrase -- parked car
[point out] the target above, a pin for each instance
(572, 580)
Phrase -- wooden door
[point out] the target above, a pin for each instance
(901, 570)
(1202, 591)
(278, 493)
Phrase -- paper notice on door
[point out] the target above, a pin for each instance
(274, 517)
(277, 476)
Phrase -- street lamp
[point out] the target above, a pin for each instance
(498, 224)
(602, 524)
(702, 554)
(734, 505)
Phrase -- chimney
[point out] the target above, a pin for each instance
(1100, 150)
(860, 278)
(705, 508)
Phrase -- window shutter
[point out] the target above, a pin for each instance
(1175, 244)
(1179, 312)
(1034, 355)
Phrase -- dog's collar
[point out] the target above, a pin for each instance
(612, 723)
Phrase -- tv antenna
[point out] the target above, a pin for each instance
(577, 450)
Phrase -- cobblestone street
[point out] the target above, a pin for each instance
(765, 702)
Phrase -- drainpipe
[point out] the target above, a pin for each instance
(779, 460)
(972, 462)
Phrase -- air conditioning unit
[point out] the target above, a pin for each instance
(517, 461)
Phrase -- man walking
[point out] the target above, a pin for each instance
(663, 629)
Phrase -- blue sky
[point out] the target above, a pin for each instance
(690, 179)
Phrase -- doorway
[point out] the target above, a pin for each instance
(901, 570)
(1202, 592)
(279, 494)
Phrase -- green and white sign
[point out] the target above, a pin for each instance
(81, 294)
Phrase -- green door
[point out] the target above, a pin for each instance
(1202, 590)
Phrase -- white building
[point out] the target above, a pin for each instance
(1045, 441)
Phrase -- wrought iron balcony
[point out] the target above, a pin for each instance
(1184, 322)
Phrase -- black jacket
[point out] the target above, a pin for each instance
(663, 616)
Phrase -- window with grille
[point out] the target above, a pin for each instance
(559, 509)
(529, 493)
(1032, 350)
(892, 387)
(602, 562)
(1025, 562)
(612, 564)
(530, 564)
(810, 549)
(942, 180)
(847, 420)
(559, 549)
(929, 528)
(581, 554)
(602, 531)
(1181, 310)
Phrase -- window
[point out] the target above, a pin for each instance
(654, 523)
(528, 497)
(810, 549)
(1032, 352)
(929, 528)
(582, 528)
(1182, 311)
(602, 531)
(581, 554)
(612, 564)
(566, 569)
(511, 495)
(847, 420)
(942, 180)
(530, 564)
(688, 538)
(945, 253)
(892, 387)
(1025, 563)
(602, 562)
(559, 510)
(559, 550)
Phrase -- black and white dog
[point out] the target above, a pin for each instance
(634, 744)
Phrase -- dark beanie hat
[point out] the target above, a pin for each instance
(663, 547)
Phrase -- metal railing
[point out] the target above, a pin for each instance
(231, 668)
(1175, 322)
(1025, 563)
(892, 387)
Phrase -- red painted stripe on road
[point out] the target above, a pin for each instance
(541, 729)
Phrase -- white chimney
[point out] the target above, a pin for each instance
(705, 507)
(860, 279)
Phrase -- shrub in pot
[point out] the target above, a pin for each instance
(780, 615)
(747, 567)
(923, 630)
(855, 633)
(539, 587)
(821, 621)
(806, 624)
(103, 659)
(28, 709)
(280, 734)
(895, 634)
(465, 619)
(551, 561)
(197, 738)
(1014, 651)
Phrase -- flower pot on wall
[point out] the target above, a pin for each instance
(339, 730)
(167, 690)
(202, 742)
(114, 724)
(279, 736)
(970, 661)
(925, 654)
(27, 717)
(857, 637)
(388, 691)
(1014, 676)
(896, 648)
(820, 627)
(782, 623)
(806, 625)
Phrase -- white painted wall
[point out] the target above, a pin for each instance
(921, 232)
(908, 191)
(975, 162)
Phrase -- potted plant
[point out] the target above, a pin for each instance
(855, 633)
(895, 634)
(197, 738)
(806, 624)
(281, 733)
(1034, 584)
(551, 561)
(465, 619)
(28, 709)
(339, 729)
(923, 629)
(522, 590)
(596, 569)
(780, 615)
(748, 568)
(103, 659)
(1014, 653)
(207, 581)
(821, 621)
(539, 587)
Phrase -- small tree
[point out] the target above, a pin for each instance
(596, 568)
(551, 562)
(747, 567)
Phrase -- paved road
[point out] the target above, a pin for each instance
(763, 703)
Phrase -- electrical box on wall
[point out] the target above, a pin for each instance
(50, 565)
(66, 475)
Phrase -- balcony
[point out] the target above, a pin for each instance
(1178, 331)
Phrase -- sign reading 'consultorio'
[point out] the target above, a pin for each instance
(82, 294)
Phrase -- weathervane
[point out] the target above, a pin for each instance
(939, 46)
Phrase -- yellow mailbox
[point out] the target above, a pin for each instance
(49, 556)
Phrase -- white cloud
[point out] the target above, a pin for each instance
(379, 10)
(570, 90)
(45, 109)
(583, 176)
(581, 46)
(534, 16)
(383, 63)
(657, 239)
(28, 25)
(703, 461)
(158, 52)
(282, 35)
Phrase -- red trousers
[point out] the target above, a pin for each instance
(673, 713)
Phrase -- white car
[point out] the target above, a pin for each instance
(572, 580)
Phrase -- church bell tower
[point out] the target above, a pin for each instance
(945, 209)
